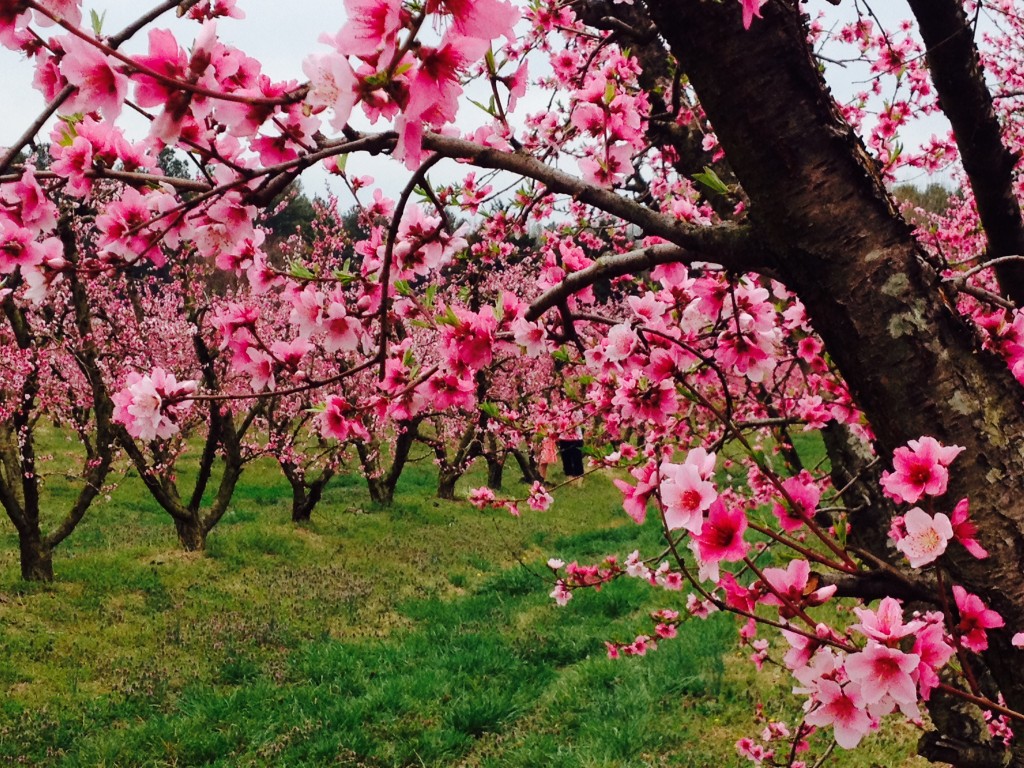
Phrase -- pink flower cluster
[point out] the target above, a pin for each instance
(150, 405)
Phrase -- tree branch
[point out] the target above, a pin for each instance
(729, 245)
(650, 222)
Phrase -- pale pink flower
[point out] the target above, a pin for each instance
(925, 537)
(885, 625)
(561, 593)
(843, 708)
(685, 495)
(149, 405)
(99, 85)
(622, 341)
(481, 497)
(539, 500)
(881, 672)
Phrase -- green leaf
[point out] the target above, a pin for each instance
(491, 409)
(402, 288)
(609, 92)
(560, 355)
(300, 271)
(488, 109)
(97, 22)
(710, 180)
(449, 317)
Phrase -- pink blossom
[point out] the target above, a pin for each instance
(539, 500)
(686, 494)
(149, 405)
(99, 85)
(925, 536)
(483, 19)
(805, 494)
(842, 707)
(337, 421)
(920, 469)
(561, 593)
(881, 672)
(885, 625)
(975, 619)
(931, 646)
(790, 584)
(964, 530)
(622, 340)
(751, 8)
(332, 85)
(481, 497)
(721, 537)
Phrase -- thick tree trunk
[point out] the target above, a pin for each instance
(495, 470)
(446, 480)
(36, 557)
(302, 506)
(191, 535)
(527, 466)
(382, 492)
(912, 364)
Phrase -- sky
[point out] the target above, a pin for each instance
(281, 40)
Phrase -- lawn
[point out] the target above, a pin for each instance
(417, 635)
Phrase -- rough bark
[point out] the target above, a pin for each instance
(191, 534)
(818, 201)
(446, 481)
(36, 557)
(495, 470)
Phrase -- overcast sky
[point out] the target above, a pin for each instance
(280, 34)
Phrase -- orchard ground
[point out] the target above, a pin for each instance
(417, 635)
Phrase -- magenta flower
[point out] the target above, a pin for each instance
(931, 646)
(975, 619)
(964, 530)
(751, 8)
(721, 537)
(920, 470)
(338, 421)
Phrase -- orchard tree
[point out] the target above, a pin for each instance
(699, 174)
(52, 373)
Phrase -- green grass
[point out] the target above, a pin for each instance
(417, 635)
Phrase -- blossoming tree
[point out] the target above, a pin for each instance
(695, 165)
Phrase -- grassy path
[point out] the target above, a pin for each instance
(403, 637)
